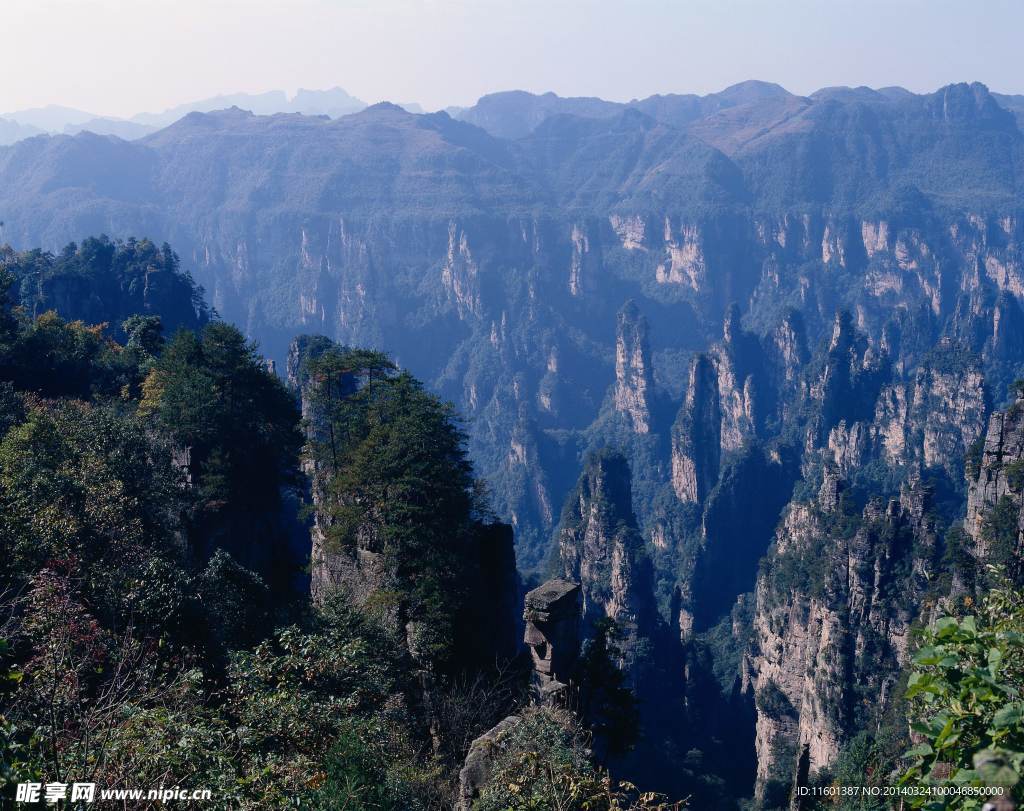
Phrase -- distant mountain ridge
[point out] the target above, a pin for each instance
(332, 103)
(516, 113)
(52, 118)
(55, 119)
(506, 114)
(473, 257)
(11, 131)
(747, 109)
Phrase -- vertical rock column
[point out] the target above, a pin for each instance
(552, 615)
(997, 477)
(634, 383)
(697, 435)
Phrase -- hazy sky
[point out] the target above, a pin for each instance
(119, 57)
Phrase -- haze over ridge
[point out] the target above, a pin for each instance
(451, 51)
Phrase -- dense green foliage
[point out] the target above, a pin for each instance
(139, 645)
(327, 715)
(212, 395)
(966, 707)
(106, 289)
(543, 764)
(398, 482)
(314, 712)
(152, 632)
(104, 280)
(870, 760)
(1000, 532)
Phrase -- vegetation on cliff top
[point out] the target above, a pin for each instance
(151, 632)
(150, 629)
(398, 482)
(108, 280)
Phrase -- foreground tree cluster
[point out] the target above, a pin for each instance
(155, 624)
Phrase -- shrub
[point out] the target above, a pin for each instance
(966, 707)
(544, 763)
(773, 702)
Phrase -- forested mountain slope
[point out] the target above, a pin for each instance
(156, 623)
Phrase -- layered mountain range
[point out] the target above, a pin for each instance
(17, 126)
(735, 336)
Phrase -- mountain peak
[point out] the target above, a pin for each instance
(967, 104)
(842, 93)
(386, 106)
(226, 115)
(516, 113)
(753, 90)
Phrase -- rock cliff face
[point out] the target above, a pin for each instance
(742, 383)
(736, 530)
(601, 548)
(789, 354)
(934, 418)
(847, 380)
(929, 420)
(633, 378)
(996, 481)
(833, 608)
(364, 574)
(493, 269)
(697, 435)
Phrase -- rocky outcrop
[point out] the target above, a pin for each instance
(366, 578)
(601, 548)
(551, 613)
(460, 275)
(1007, 328)
(631, 231)
(360, 572)
(738, 521)
(833, 609)
(685, 262)
(634, 384)
(928, 421)
(585, 262)
(789, 345)
(741, 369)
(480, 762)
(696, 435)
(996, 480)
(552, 617)
(934, 418)
(486, 630)
(845, 383)
(434, 240)
(468, 258)
(851, 446)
